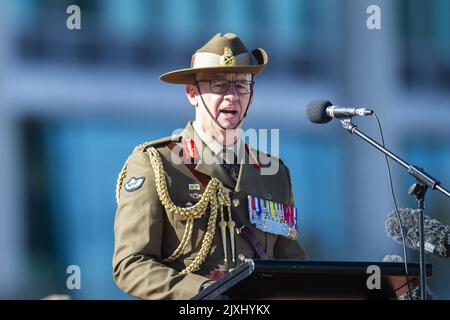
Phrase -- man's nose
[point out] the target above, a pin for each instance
(231, 93)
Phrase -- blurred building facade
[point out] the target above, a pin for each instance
(74, 103)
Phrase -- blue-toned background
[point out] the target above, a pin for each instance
(74, 104)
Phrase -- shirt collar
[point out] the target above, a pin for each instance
(216, 147)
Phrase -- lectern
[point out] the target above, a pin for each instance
(298, 279)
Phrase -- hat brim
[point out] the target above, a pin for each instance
(185, 76)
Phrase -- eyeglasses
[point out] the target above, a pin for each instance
(222, 85)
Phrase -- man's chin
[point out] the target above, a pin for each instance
(228, 126)
(229, 123)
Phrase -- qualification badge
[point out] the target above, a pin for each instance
(134, 183)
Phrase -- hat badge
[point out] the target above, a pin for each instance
(227, 59)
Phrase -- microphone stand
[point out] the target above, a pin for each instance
(418, 189)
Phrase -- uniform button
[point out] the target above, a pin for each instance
(241, 257)
(236, 202)
(239, 230)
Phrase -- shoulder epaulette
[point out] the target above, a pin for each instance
(143, 147)
(158, 142)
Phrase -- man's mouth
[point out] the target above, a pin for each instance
(228, 111)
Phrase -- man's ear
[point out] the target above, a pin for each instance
(191, 94)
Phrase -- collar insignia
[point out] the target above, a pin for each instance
(190, 149)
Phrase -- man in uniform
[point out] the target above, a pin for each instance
(193, 205)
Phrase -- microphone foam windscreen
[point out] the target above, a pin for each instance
(316, 111)
(436, 233)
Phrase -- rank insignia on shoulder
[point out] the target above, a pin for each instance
(273, 217)
(134, 183)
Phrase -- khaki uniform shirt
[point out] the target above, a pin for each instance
(145, 233)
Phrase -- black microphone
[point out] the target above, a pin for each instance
(322, 111)
(437, 235)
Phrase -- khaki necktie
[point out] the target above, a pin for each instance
(231, 163)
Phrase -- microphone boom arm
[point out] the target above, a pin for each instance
(418, 173)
